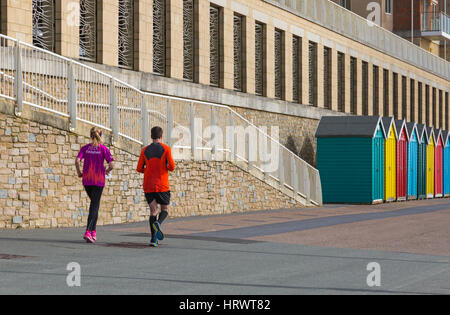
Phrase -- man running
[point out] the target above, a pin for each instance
(155, 162)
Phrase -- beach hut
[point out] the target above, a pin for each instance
(402, 159)
(422, 161)
(438, 158)
(431, 144)
(350, 159)
(390, 159)
(446, 163)
(413, 147)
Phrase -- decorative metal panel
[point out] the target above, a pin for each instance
(341, 82)
(278, 64)
(427, 105)
(259, 59)
(44, 24)
(312, 73)
(353, 85)
(238, 49)
(434, 113)
(188, 40)
(296, 69)
(395, 94)
(420, 101)
(447, 110)
(327, 77)
(126, 38)
(376, 90)
(159, 37)
(214, 55)
(365, 88)
(412, 100)
(88, 29)
(441, 110)
(404, 98)
(386, 92)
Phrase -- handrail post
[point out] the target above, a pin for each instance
(281, 168)
(114, 123)
(18, 80)
(214, 153)
(169, 123)
(294, 175)
(263, 154)
(307, 184)
(249, 152)
(231, 138)
(144, 125)
(193, 130)
(71, 97)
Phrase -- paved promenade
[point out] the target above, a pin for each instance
(304, 251)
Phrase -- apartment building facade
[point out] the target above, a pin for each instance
(297, 58)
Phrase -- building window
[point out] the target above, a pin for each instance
(312, 73)
(365, 88)
(327, 77)
(427, 105)
(345, 4)
(353, 86)
(214, 45)
(376, 90)
(434, 112)
(441, 110)
(447, 111)
(388, 8)
(404, 98)
(159, 37)
(386, 93)
(126, 34)
(279, 64)
(297, 69)
(395, 95)
(341, 81)
(420, 102)
(238, 29)
(188, 40)
(412, 100)
(88, 30)
(259, 58)
(44, 24)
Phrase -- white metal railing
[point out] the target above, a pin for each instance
(340, 20)
(200, 130)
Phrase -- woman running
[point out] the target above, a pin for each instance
(94, 155)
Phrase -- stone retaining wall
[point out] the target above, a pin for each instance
(39, 186)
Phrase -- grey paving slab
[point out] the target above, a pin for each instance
(205, 266)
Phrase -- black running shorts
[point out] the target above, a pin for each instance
(162, 198)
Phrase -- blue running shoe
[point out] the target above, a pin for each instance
(154, 242)
(159, 234)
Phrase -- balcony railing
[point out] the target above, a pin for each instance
(340, 20)
(432, 22)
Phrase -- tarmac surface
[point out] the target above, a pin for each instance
(323, 250)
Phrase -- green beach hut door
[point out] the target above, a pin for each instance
(378, 164)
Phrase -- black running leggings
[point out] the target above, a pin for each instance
(95, 194)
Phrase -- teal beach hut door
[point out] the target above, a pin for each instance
(378, 166)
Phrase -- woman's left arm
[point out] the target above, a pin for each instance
(110, 167)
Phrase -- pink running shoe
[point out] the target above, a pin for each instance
(88, 237)
(94, 235)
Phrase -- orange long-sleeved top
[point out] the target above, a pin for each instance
(155, 162)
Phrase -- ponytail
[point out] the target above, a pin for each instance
(96, 136)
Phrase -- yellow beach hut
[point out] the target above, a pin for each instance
(431, 144)
(390, 160)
